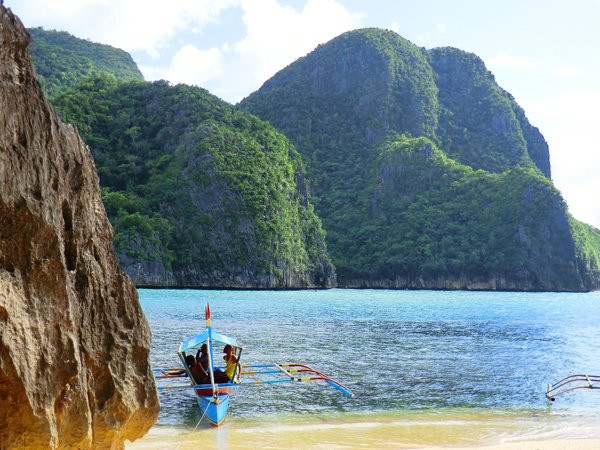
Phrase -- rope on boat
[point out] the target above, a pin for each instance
(201, 417)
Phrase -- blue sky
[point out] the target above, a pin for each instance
(545, 53)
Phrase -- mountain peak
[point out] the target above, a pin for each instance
(430, 213)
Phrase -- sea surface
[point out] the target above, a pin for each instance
(412, 358)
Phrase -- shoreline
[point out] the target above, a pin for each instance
(174, 438)
(357, 288)
(432, 430)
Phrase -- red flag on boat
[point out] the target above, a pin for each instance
(207, 314)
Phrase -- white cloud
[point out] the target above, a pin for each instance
(507, 60)
(131, 25)
(190, 65)
(276, 35)
(394, 26)
(569, 122)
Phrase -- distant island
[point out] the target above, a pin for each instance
(423, 173)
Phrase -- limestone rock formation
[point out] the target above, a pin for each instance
(74, 343)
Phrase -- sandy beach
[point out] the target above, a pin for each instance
(572, 444)
(420, 430)
(179, 440)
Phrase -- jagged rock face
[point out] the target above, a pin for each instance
(74, 344)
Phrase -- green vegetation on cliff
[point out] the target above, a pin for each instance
(587, 239)
(62, 61)
(198, 189)
(425, 172)
(480, 124)
(432, 218)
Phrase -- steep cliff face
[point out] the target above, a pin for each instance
(74, 344)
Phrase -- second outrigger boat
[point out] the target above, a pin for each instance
(572, 382)
(213, 398)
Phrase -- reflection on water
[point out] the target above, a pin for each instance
(399, 351)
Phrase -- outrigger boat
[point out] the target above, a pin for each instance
(571, 383)
(213, 398)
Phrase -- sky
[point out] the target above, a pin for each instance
(546, 53)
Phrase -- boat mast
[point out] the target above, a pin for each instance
(210, 349)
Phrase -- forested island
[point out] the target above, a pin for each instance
(423, 173)
(200, 193)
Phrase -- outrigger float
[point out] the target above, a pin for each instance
(572, 382)
(213, 398)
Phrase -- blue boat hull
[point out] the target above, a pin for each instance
(216, 410)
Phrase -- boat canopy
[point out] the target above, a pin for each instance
(196, 341)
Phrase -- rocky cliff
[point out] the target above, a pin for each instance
(74, 344)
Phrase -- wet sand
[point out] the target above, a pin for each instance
(407, 430)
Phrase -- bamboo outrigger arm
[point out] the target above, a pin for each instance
(306, 373)
(572, 382)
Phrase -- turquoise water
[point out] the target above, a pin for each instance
(397, 350)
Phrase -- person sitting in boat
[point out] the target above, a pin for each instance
(199, 374)
(231, 364)
(202, 363)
